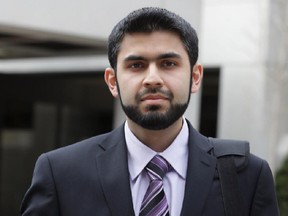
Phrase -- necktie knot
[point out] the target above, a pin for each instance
(157, 167)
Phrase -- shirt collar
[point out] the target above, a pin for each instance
(139, 154)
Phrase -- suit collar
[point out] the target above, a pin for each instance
(113, 172)
(139, 154)
(200, 173)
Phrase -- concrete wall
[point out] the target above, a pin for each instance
(84, 17)
(235, 39)
(277, 81)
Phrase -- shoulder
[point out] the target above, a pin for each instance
(240, 151)
(259, 166)
(77, 158)
(87, 147)
(247, 164)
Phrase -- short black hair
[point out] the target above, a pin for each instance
(150, 19)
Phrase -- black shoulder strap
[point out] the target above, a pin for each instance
(232, 156)
(240, 150)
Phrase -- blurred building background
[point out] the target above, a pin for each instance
(52, 58)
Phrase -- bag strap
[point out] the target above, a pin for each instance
(232, 156)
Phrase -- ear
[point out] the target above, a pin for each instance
(197, 76)
(110, 79)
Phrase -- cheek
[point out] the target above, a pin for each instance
(180, 88)
(182, 96)
(126, 92)
(129, 86)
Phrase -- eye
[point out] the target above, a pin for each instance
(168, 64)
(136, 65)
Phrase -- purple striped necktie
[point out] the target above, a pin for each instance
(155, 202)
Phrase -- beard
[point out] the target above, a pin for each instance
(154, 119)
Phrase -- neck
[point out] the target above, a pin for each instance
(157, 140)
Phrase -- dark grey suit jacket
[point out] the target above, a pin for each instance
(91, 178)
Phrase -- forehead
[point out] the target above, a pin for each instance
(153, 43)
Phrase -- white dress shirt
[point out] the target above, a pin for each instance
(174, 181)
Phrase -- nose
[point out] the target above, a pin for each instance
(152, 78)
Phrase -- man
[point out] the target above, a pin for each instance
(156, 163)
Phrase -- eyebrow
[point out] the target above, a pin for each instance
(161, 56)
(169, 55)
(134, 58)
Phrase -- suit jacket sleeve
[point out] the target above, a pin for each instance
(265, 201)
(41, 198)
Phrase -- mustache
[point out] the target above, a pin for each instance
(165, 93)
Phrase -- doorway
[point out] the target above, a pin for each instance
(209, 102)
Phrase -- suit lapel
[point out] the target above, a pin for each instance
(200, 173)
(113, 171)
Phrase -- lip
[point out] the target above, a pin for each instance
(154, 100)
(154, 97)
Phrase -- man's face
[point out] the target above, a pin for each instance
(153, 78)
